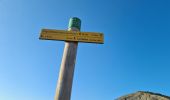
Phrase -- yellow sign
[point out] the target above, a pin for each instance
(63, 35)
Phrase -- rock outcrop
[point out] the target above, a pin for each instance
(141, 95)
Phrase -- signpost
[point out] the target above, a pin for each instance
(62, 35)
(71, 38)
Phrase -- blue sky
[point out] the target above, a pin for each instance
(135, 56)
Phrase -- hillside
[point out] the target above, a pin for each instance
(142, 95)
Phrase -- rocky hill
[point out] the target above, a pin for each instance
(142, 95)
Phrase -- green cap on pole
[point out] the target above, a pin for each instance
(75, 22)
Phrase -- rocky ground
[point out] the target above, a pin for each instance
(142, 95)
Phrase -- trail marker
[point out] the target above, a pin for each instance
(91, 37)
(71, 38)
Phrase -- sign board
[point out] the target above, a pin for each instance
(63, 35)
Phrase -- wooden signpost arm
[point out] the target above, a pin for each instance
(65, 80)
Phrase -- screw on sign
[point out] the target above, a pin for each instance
(71, 38)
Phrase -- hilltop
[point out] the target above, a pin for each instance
(143, 95)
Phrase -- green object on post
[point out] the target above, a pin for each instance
(75, 22)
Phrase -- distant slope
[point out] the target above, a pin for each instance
(142, 95)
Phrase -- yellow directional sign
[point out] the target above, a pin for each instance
(63, 35)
